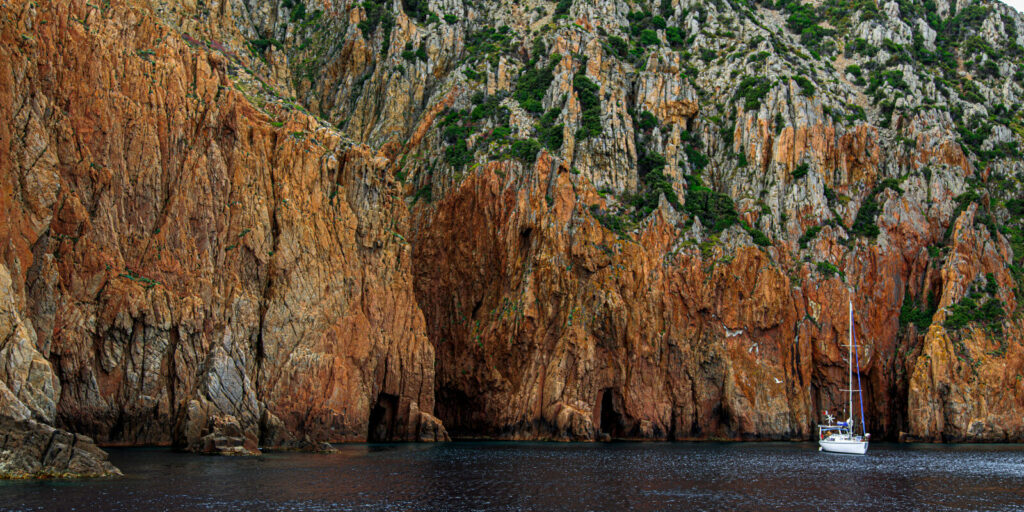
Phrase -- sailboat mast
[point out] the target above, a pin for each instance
(850, 360)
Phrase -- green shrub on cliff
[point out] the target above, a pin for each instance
(411, 55)
(649, 37)
(918, 314)
(829, 269)
(650, 161)
(800, 171)
(614, 222)
(808, 236)
(488, 43)
(489, 107)
(374, 11)
(860, 46)
(963, 201)
(532, 86)
(458, 154)
(260, 45)
(651, 166)
(806, 86)
(562, 8)
(425, 193)
(1015, 207)
(647, 121)
(752, 90)
(803, 20)
(675, 37)
(968, 310)
(416, 9)
(298, 11)
(549, 133)
(864, 224)
(378, 13)
(971, 307)
(525, 150)
(590, 104)
(618, 47)
(758, 236)
(715, 210)
(696, 158)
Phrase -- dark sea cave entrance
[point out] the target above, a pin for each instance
(382, 418)
(608, 415)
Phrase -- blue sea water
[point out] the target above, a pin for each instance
(498, 476)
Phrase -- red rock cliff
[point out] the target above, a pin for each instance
(238, 224)
(198, 270)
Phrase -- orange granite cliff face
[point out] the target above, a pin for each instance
(199, 271)
(232, 225)
(969, 386)
(544, 321)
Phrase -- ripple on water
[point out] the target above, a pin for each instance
(549, 476)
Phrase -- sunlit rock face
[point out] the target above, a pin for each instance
(242, 224)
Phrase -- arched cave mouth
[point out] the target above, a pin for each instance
(382, 418)
(610, 418)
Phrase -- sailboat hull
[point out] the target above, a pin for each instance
(844, 446)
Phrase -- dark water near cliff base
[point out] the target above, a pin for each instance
(549, 476)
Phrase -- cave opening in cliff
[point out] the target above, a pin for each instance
(457, 410)
(382, 418)
(525, 237)
(611, 424)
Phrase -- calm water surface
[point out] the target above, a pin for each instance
(548, 476)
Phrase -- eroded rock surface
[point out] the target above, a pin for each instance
(246, 224)
(199, 272)
(30, 447)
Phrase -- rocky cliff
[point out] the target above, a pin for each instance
(199, 270)
(237, 224)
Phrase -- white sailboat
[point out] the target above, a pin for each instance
(840, 437)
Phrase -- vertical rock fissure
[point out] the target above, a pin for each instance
(174, 339)
(266, 295)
